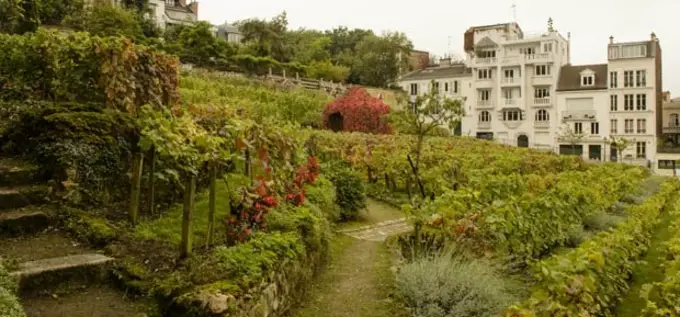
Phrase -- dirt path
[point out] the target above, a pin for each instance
(359, 280)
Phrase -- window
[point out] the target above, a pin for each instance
(527, 51)
(436, 86)
(547, 47)
(614, 52)
(512, 115)
(628, 102)
(484, 94)
(541, 92)
(630, 51)
(587, 80)
(414, 89)
(641, 126)
(675, 120)
(614, 103)
(578, 127)
(613, 79)
(542, 115)
(628, 126)
(613, 123)
(595, 128)
(455, 87)
(641, 101)
(484, 116)
(509, 73)
(172, 3)
(542, 70)
(640, 78)
(507, 93)
(641, 149)
(486, 54)
(666, 164)
(484, 73)
(628, 78)
(446, 87)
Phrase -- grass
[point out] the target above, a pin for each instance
(168, 228)
(650, 270)
(375, 212)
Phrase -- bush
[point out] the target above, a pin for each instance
(350, 191)
(106, 19)
(9, 304)
(447, 285)
(602, 221)
(322, 195)
(327, 71)
(26, 16)
(360, 112)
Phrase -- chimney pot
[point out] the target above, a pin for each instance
(653, 36)
(611, 40)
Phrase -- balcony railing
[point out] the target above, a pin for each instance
(578, 115)
(510, 80)
(511, 59)
(485, 60)
(484, 124)
(537, 57)
(542, 124)
(509, 101)
(484, 103)
(671, 129)
(542, 101)
(668, 148)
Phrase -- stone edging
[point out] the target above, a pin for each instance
(377, 225)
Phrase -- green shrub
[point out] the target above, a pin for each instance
(106, 19)
(602, 221)
(447, 285)
(576, 235)
(322, 195)
(9, 305)
(350, 191)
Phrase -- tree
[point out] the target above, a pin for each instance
(105, 19)
(571, 137)
(21, 16)
(379, 58)
(358, 111)
(427, 114)
(621, 144)
(196, 44)
(265, 38)
(306, 46)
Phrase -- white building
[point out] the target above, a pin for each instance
(668, 153)
(521, 90)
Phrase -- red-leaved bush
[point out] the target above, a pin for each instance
(360, 112)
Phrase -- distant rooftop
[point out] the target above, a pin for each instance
(570, 77)
(453, 70)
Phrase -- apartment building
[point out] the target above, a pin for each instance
(668, 149)
(452, 80)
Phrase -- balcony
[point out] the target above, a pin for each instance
(484, 125)
(512, 103)
(511, 81)
(671, 129)
(543, 80)
(542, 102)
(580, 115)
(668, 148)
(485, 61)
(484, 104)
(538, 58)
(512, 60)
(542, 124)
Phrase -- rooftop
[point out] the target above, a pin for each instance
(570, 77)
(454, 70)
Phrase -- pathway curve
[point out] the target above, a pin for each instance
(358, 280)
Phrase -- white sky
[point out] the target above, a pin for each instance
(430, 24)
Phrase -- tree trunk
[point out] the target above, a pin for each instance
(417, 177)
(152, 181)
(189, 192)
(137, 165)
(408, 186)
(211, 204)
(246, 169)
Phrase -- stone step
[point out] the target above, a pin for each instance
(23, 221)
(16, 172)
(48, 275)
(21, 196)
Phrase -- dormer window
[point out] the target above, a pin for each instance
(587, 78)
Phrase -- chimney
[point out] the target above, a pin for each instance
(194, 7)
(653, 37)
(445, 62)
(611, 40)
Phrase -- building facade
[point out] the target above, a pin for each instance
(668, 149)
(230, 33)
(522, 90)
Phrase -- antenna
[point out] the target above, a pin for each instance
(514, 12)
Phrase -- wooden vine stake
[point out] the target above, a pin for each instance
(211, 204)
(137, 165)
(189, 192)
(152, 181)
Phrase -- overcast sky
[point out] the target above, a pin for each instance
(432, 25)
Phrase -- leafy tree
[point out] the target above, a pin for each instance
(196, 44)
(572, 137)
(307, 46)
(265, 38)
(106, 19)
(21, 16)
(360, 112)
(327, 71)
(379, 58)
(344, 40)
(621, 144)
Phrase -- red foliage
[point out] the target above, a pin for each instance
(360, 112)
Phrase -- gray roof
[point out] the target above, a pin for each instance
(455, 70)
(228, 28)
(486, 41)
(570, 77)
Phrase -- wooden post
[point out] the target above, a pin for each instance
(284, 74)
(152, 181)
(297, 76)
(270, 72)
(137, 165)
(211, 204)
(189, 192)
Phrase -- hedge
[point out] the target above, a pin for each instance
(50, 65)
(9, 304)
(591, 279)
(663, 298)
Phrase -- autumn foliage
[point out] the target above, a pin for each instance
(360, 112)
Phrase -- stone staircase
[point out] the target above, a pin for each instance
(57, 276)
